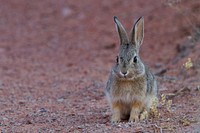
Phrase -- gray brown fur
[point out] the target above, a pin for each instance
(131, 86)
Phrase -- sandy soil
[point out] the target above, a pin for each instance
(55, 57)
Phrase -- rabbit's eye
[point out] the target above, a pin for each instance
(117, 59)
(135, 59)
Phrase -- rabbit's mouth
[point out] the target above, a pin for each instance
(128, 75)
(124, 75)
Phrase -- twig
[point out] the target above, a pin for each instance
(181, 91)
(161, 72)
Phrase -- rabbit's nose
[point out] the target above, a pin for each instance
(124, 73)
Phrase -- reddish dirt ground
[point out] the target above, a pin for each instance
(55, 58)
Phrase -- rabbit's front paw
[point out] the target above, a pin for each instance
(134, 118)
(115, 118)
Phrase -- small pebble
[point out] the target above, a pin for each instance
(60, 99)
(42, 110)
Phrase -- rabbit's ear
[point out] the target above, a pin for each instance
(122, 33)
(137, 32)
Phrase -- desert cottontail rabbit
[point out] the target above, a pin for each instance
(131, 86)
